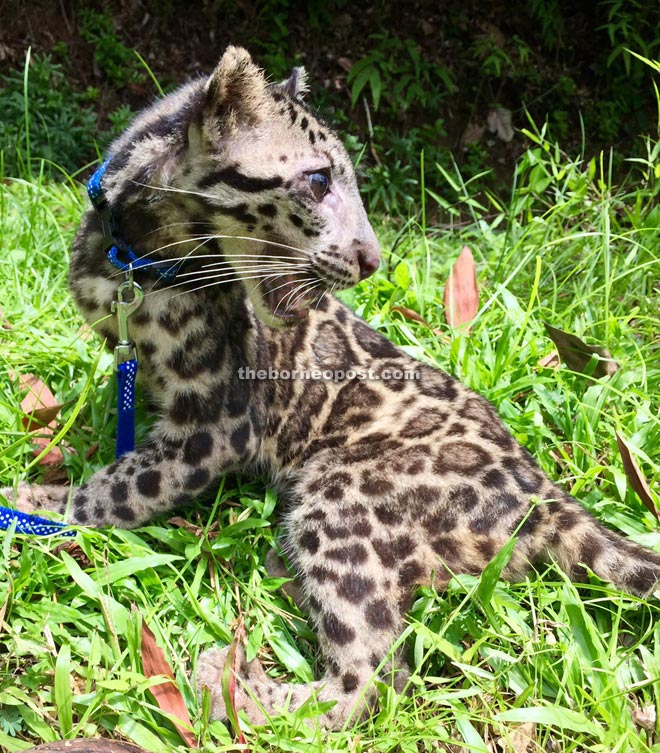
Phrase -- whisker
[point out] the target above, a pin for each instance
(158, 279)
(305, 292)
(249, 266)
(179, 222)
(257, 258)
(210, 284)
(172, 189)
(217, 236)
(267, 272)
(288, 283)
(324, 293)
(300, 285)
(220, 279)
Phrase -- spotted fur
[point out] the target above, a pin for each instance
(390, 483)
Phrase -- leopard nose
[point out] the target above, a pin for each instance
(368, 261)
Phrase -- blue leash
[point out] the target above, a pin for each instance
(31, 524)
(126, 364)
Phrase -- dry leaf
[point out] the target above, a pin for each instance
(167, 694)
(576, 354)
(461, 291)
(3, 608)
(551, 361)
(522, 739)
(636, 477)
(39, 404)
(499, 123)
(645, 717)
(40, 409)
(85, 332)
(473, 134)
(196, 530)
(4, 323)
(76, 551)
(101, 745)
(92, 450)
(410, 315)
(345, 63)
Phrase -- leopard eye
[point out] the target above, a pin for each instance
(320, 184)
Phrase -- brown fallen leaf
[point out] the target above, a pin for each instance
(100, 745)
(521, 739)
(645, 717)
(551, 361)
(196, 530)
(38, 405)
(167, 694)
(576, 354)
(345, 63)
(76, 551)
(636, 477)
(461, 291)
(85, 332)
(410, 315)
(92, 450)
(3, 608)
(4, 323)
(40, 409)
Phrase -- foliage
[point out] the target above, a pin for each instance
(116, 61)
(54, 124)
(396, 69)
(567, 247)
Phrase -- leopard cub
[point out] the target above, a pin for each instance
(389, 482)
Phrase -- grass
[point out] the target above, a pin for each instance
(575, 668)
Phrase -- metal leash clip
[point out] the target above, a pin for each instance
(125, 348)
(126, 364)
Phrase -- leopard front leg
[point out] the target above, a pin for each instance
(167, 471)
(355, 606)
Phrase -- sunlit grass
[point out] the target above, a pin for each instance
(578, 667)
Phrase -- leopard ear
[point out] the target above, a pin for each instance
(296, 85)
(236, 91)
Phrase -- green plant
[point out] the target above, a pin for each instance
(117, 62)
(398, 71)
(51, 123)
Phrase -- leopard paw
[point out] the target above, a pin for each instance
(246, 680)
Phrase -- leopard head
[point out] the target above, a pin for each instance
(280, 188)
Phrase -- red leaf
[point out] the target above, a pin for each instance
(461, 291)
(167, 695)
(39, 404)
(636, 477)
(40, 409)
(410, 315)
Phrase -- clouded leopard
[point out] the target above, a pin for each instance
(384, 483)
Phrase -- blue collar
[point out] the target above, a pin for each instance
(119, 253)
